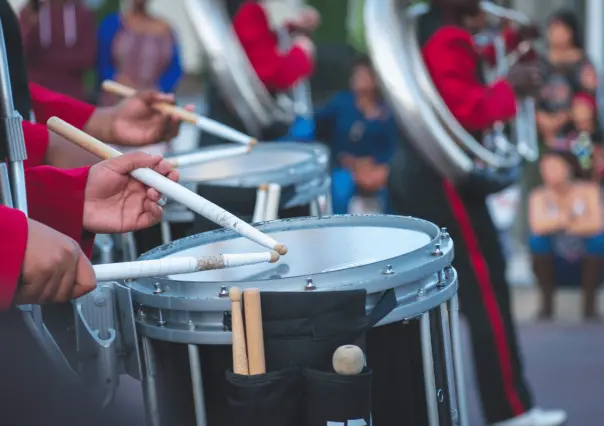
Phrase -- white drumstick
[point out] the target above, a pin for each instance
(204, 123)
(260, 206)
(178, 265)
(167, 187)
(205, 156)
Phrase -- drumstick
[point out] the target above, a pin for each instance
(167, 187)
(204, 123)
(240, 365)
(178, 265)
(206, 156)
(253, 328)
(348, 360)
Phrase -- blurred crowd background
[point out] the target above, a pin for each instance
(72, 46)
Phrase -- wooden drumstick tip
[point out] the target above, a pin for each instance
(263, 187)
(348, 360)
(253, 142)
(235, 294)
(281, 249)
(274, 257)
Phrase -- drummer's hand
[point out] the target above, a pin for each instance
(54, 268)
(137, 123)
(117, 203)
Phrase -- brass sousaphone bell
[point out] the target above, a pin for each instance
(230, 68)
(392, 40)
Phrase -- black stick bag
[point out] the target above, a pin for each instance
(301, 330)
(271, 399)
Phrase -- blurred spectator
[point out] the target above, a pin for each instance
(568, 73)
(59, 39)
(567, 222)
(138, 50)
(363, 137)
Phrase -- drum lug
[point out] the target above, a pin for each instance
(389, 270)
(444, 234)
(437, 250)
(224, 292)
(309, 285)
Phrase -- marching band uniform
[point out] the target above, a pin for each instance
(454, 66)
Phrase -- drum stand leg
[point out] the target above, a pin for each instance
(197, 383)
(260, 206)
(150, 384)
(129, 246)
(429, 377)
(460, 391)
(166, 232)
(445, 332)
(272, 202)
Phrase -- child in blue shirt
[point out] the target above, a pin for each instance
(363, 137)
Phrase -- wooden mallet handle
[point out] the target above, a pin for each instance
(240, 363)
(255, 335)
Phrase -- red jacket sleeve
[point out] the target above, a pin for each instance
(56, 198)
(453, 65)
(278, 71)
(13, 229)
(36, 143)
(47, 103)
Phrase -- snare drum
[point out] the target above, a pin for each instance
(300, 171)
(177, 326)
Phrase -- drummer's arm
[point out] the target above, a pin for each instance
(55, 198)
(453, 65)
(278, 71)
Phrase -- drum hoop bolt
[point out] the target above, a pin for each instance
(309, 285)
(444, 234)
(389, 270)
(448, 271)
(441, 279)
(421, 293)
(437, 251)
(224, 292)
(158, 289)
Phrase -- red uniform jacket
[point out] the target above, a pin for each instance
(278, 71)
(55, 197)
(454, 65)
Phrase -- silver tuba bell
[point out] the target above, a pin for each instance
(392, 40)
(244, 93)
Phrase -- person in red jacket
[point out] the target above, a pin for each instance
(255, 24)
(454, 64)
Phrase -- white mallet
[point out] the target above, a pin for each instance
(348, 360)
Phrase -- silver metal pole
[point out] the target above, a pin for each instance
(197, 383)
(150, 384)
(462, 405)
(429, 377)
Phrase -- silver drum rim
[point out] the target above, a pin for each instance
(422, 280)
(314, 167)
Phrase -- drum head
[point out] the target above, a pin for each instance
(312, 251)
(284, 163)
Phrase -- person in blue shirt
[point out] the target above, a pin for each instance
(363, 137)
(139, 50)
